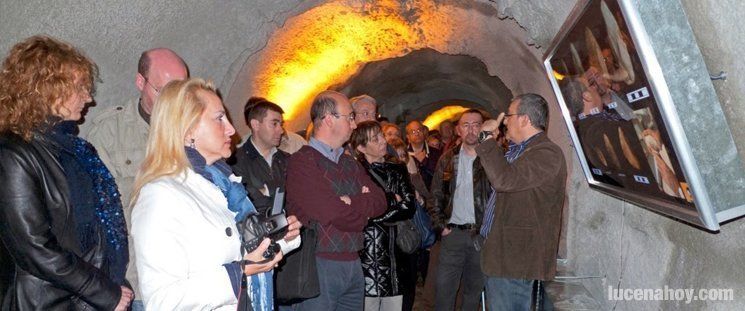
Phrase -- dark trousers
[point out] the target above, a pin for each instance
(342, 287)
(427, 299)
(412, 265)
(459, 262)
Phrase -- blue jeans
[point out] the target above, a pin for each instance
(342, 287)
(514, 295)
(137, 305)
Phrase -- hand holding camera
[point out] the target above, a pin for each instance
(257, 228)
(258, 262)
(293, 228)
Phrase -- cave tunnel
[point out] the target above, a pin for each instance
(417, 57)
(412, 57)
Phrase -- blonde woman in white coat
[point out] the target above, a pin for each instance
(186, 204)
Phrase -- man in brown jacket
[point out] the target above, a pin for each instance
(523, 224)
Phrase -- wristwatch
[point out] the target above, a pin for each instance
(484, 135)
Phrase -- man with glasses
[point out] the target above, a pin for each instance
(461, 189)
(523, 220)
(426, 157)
(365, 108)
(120, 134)
(327, 189)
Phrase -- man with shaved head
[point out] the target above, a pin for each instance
(120, 133)
(327, 189)
(426, 157)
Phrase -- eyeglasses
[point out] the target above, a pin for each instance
(507, 115)
(157, 90)
(349, 116)
(417, 131)
(364, 113)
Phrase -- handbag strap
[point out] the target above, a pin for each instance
(379, 179)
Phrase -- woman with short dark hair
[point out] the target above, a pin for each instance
(380, 259)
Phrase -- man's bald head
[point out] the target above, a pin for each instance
(155, 69)
(161, 56)
(333, 118)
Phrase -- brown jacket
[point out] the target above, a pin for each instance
(524, 236)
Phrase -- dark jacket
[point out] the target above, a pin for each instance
(256, 173)
(524, 236)
(443, 187)
(379, 255)
(427, 166)
(38, 231)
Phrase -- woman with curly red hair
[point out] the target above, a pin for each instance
(61, 215)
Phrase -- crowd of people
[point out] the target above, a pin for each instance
(150, 209)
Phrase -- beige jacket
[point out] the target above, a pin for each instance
(120, 136)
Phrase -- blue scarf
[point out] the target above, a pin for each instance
(109, 216)
(260, 289)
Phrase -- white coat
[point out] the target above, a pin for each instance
(180, 228)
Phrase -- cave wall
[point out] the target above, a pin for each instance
(626, 245)
(211, 36)
(475, 29)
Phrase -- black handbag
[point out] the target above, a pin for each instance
(297, 278)
(408, 237)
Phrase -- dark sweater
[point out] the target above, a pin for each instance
(314, 187)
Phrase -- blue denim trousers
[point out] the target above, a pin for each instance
(514, 295)
(137, 305)
(342, 287)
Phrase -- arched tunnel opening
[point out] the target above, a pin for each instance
(418, 84)
(412, 57)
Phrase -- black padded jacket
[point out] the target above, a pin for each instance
(378, 258)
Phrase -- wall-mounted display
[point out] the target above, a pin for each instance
(614, 112)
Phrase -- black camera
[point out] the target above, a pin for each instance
(256, 227)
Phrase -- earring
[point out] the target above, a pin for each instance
(191, 144)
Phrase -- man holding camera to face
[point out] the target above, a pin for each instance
(522, 220)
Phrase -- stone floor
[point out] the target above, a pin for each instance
(570, 295)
